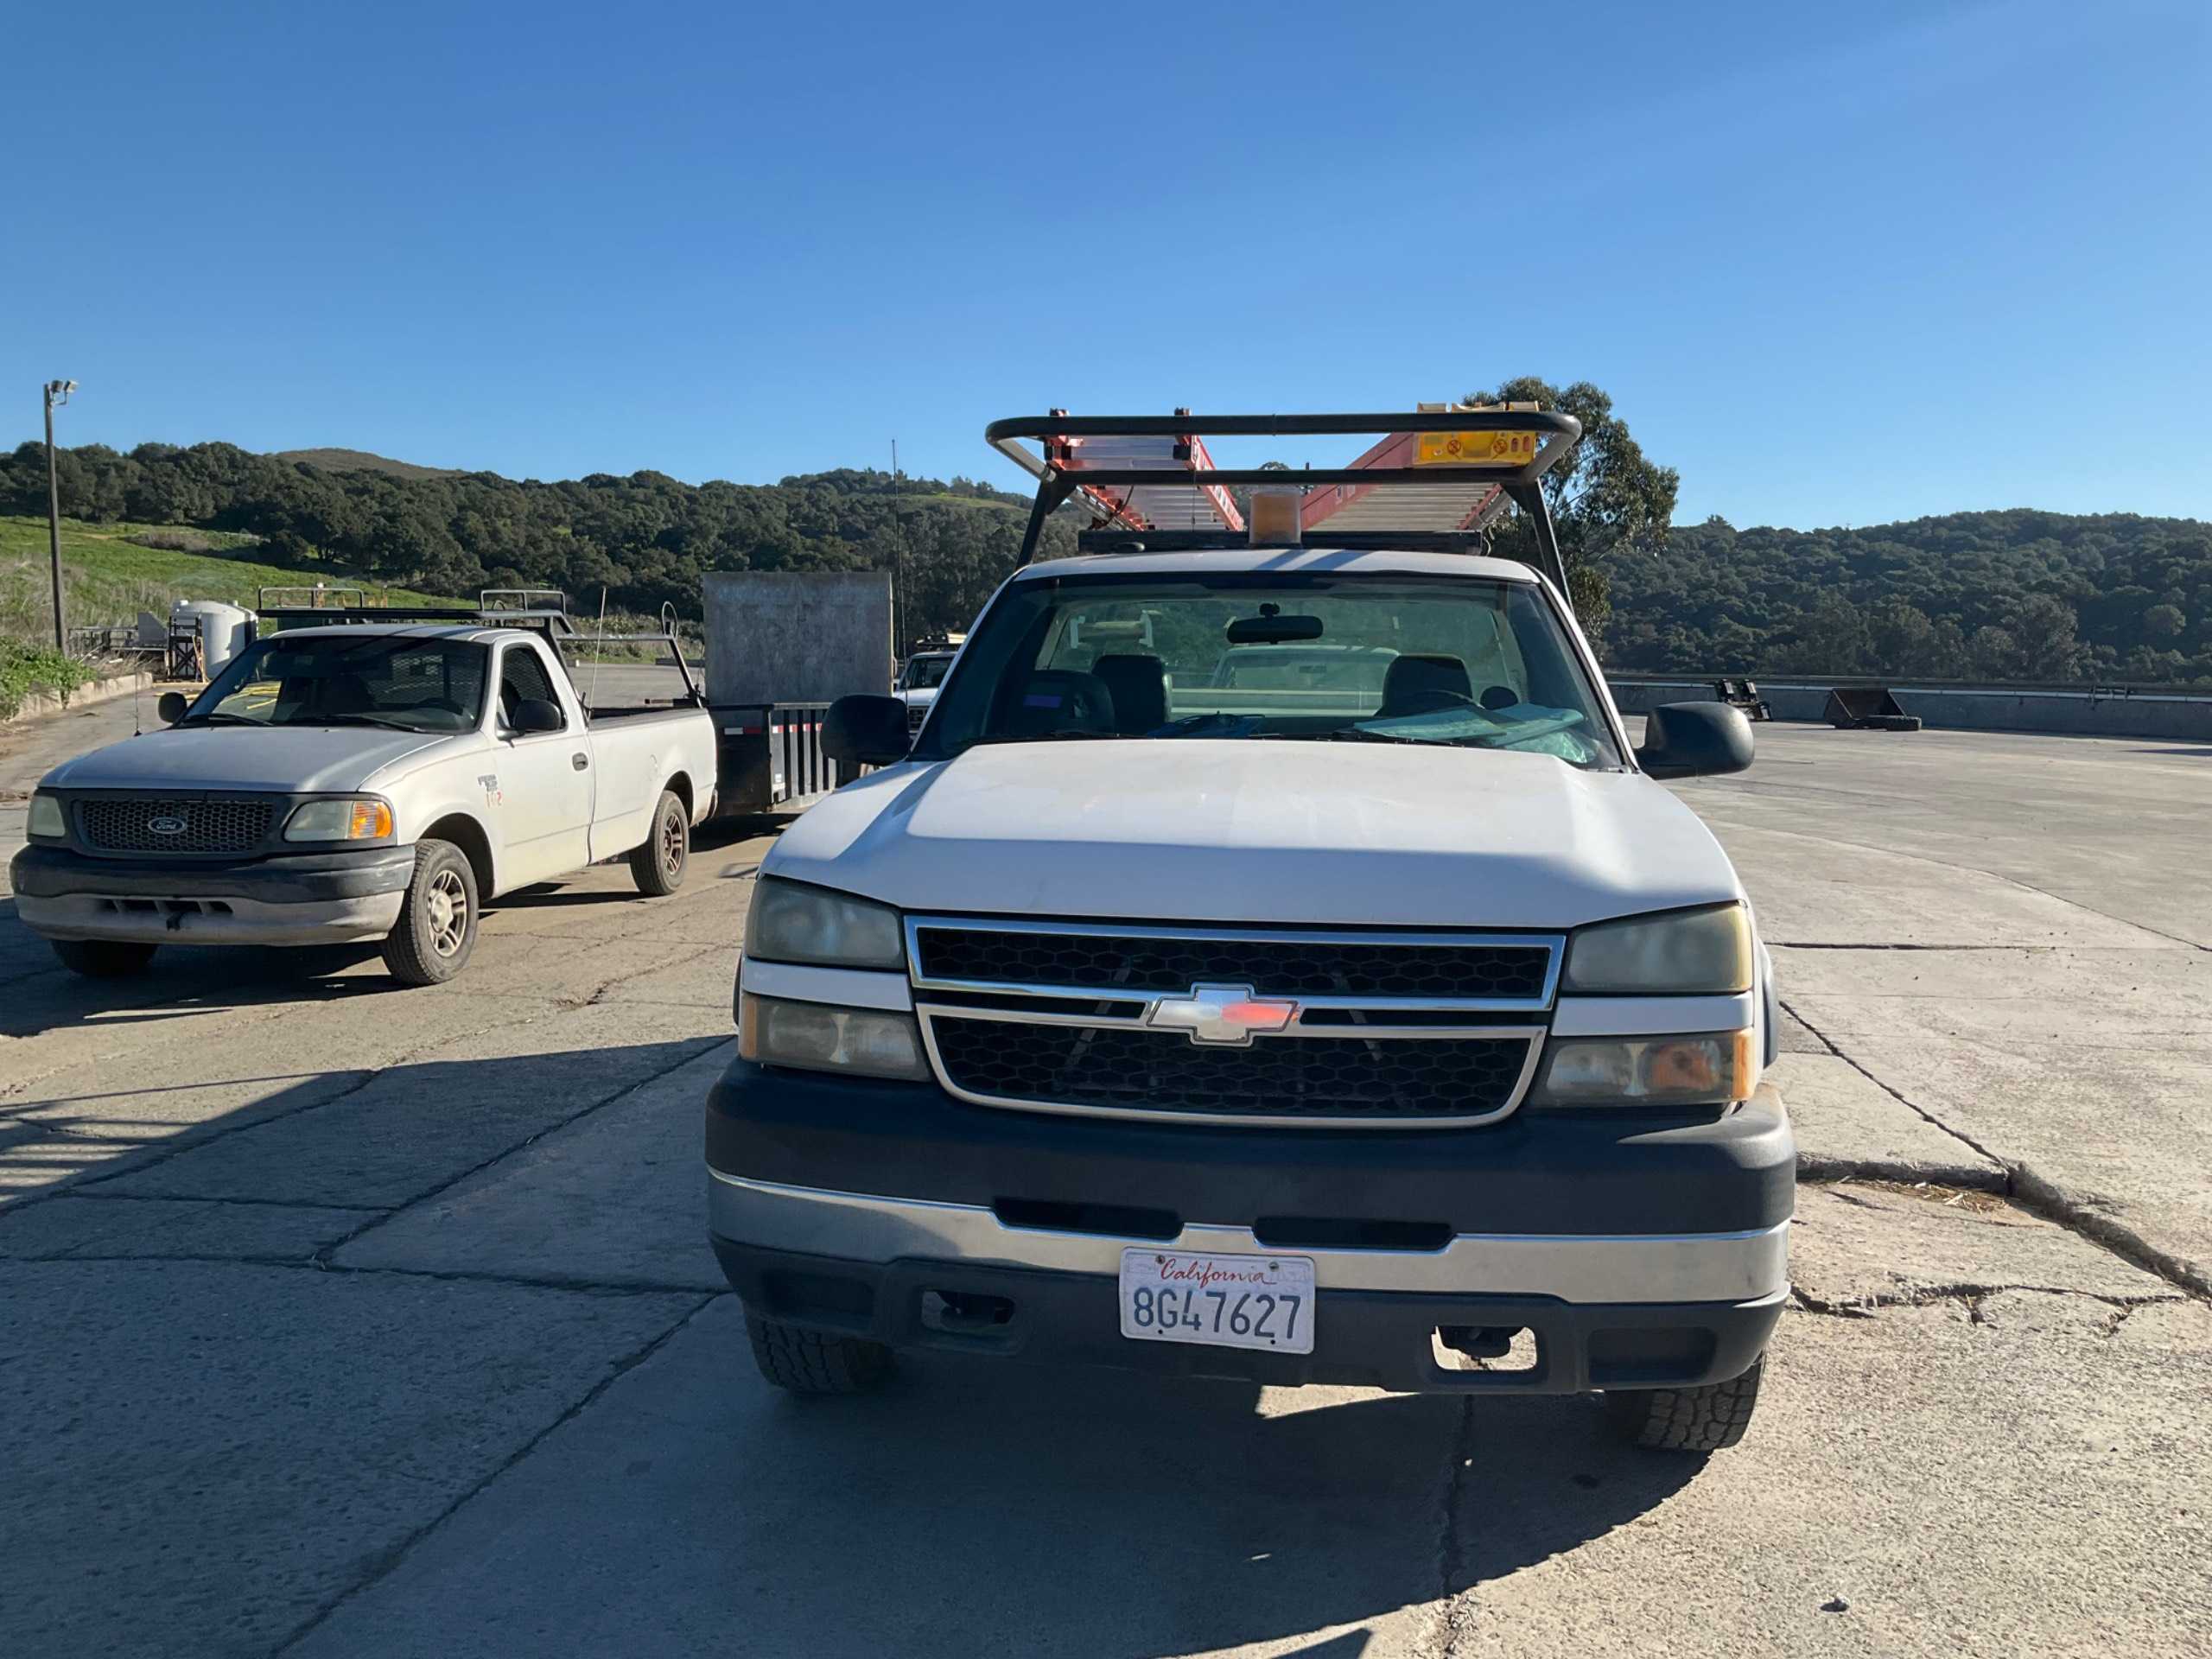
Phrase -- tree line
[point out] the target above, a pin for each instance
(2012, 595)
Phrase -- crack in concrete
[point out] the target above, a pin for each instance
(1976, 869)
(1811, 944)
(593, 1000)
(194, 1197)
(708, 1046)
(1971, 1293)
(309, 1264)
(1455, 1617)
(387, 1561)
(2037, 1195)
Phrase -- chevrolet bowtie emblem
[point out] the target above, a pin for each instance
(1220, 1013)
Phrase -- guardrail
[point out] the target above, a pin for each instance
(2091, 710)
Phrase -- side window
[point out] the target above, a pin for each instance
(523, 677)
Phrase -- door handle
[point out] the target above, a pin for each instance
(581, 762)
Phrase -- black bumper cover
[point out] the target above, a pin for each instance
(46, 872)
(1608, 1172)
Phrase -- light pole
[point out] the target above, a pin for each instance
(57, 392)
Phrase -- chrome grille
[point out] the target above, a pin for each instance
(1515, 971)
(129, 824)
(1355, 1029)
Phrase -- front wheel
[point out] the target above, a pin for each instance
(657, 865)
(437, 918)
(1709, 1418)
(103, 958)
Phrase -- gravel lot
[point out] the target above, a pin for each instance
(339, 1320)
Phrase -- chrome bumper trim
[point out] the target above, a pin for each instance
(1572, 1268)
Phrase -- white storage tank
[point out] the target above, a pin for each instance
(224, 629)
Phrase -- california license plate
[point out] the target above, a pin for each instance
(1222, 1301)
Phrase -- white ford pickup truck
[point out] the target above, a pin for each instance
(358, 782)
(1391, 1027)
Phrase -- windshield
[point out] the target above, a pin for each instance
(1293, 657)
(924, 673)
(401, 680)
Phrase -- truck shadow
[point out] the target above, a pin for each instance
(1158, 1518)
(37, 994)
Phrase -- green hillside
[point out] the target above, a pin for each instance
(107, 579)
(360, 461)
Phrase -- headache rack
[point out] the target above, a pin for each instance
(1437, 478)
(542, 611)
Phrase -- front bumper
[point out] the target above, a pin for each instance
(298, 898)
(1637, 1254)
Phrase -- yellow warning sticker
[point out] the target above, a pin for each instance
(1474, 448)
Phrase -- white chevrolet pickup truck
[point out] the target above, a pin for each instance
(358, 782)
(1391, 1027)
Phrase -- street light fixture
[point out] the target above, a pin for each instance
(57, 392)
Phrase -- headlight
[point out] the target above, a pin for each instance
(1687, 953)
(365, 819)
(1710, 1069)
(790, 922)
(863, 1041)
(45, 817)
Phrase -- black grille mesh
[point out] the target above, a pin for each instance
(1273, 967)
(125, 826)
(1302, 1076)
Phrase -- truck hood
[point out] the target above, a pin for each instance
(1243, 831)
(281, 759)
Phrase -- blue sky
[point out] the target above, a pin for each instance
(1838, 264)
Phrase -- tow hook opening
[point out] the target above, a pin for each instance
(964, 1313)
(1483, 1347)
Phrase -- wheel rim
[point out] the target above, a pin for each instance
(448, 913)
(671, 841)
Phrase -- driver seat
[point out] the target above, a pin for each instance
(1409, 677)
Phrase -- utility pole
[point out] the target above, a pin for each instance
(56, 391)
(898, 563)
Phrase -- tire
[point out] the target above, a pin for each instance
(103, 958)
(658, 866)
(1706, 1419)
(437, 918)
(811, 1362)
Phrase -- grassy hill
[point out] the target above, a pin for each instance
(108, 579)
(360, 461)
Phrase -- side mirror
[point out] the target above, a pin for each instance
(1693, 739)
(534, 714)
(171, 707)
(865, 731)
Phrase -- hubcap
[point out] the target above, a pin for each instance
(448, 913)
(671, 842)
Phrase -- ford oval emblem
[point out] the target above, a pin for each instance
(165, 826)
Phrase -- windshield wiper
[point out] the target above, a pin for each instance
(347, 720)
(214, 719)
(1355, 735)
(1041, 737)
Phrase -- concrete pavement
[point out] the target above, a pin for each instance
(346, 1319)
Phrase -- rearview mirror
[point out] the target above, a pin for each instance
(864, 730)
(1267, 630)
(171, 707)
(1694, 739)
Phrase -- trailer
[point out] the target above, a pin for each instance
(782, 645)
